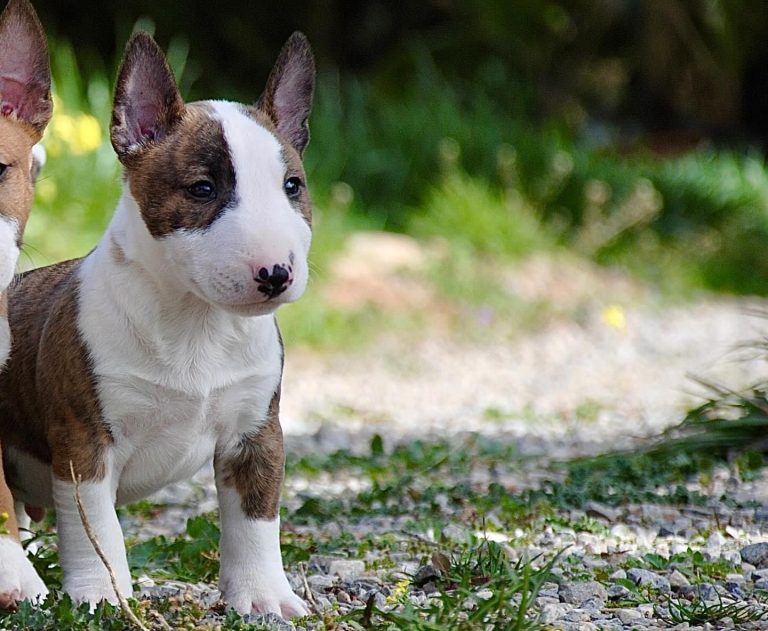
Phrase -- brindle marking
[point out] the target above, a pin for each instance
(48, 402)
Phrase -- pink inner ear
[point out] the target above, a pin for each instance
(144, 121)
(12, 94)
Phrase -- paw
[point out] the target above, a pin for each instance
(93, 586)
(90, 592)
(257, 595)
(18, 579)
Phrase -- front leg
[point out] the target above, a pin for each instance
(85, 577)
(249, 474)
(18, 579)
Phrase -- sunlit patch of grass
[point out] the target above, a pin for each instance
(479, 587)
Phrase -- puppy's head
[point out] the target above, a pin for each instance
(220, 186)
(25, 108)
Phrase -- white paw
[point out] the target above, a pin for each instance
(91, 588)
(18, 579)
(259, 595)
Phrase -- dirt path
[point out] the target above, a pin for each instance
(615, 374)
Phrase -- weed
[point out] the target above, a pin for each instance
(479, 588)
(191, 557)
(699, 612)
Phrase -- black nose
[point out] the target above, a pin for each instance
(275, 283)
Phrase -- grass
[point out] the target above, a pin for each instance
(447, 503)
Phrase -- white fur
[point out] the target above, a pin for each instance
(85, 577)
(39, 155)
(187, 357)
(252, 577)
(18, 579)
(9, 250)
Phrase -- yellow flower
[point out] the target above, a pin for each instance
(87, 134)
(398, 591)
(79, 134)
(613, 316)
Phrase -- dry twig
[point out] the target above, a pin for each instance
(307, 590)
(124, 607)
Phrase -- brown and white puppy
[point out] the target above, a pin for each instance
(159, 350)
(25, 108)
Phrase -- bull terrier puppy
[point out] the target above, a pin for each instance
(159, 350)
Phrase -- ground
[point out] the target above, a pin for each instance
(429, 485)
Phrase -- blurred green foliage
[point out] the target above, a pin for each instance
(449, 132)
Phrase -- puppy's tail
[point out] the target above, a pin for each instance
(38, 160)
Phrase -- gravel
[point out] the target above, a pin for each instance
(532, 389)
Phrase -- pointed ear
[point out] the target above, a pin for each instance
(287, 99)
(147, 103)
(25, 73)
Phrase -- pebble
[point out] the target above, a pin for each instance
(643, 577)
(347, 570)
(677, 579)
(756, 554)
(579, 593)
(629, 616)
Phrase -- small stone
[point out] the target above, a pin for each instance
(715, 540)
(323, 603)
(756, 554)
(735, 578)
(617, 592)
(551, 613)
(270, 621)
(347, 570)
(643, 577)
(732, 556)
(756, 575)
(703, 591)
(577, 615)
(621, 531)
(677, 580)
(761, 514)
(618, 575)
(343, 597)
(320, 582)
(628, 616)
(761, 583)
(578, 593)
(427, 573)
(603, 511)
(546, 600)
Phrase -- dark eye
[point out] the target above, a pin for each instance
(3, 167)
(292, 187)
(203, 189)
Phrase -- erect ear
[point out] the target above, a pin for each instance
(147, 103)
(25, 73)
(287, 99)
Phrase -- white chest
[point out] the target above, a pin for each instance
(162, 435)
(175, 379)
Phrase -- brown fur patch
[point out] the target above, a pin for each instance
(161, 175)
(48, 401)
(257, 466)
